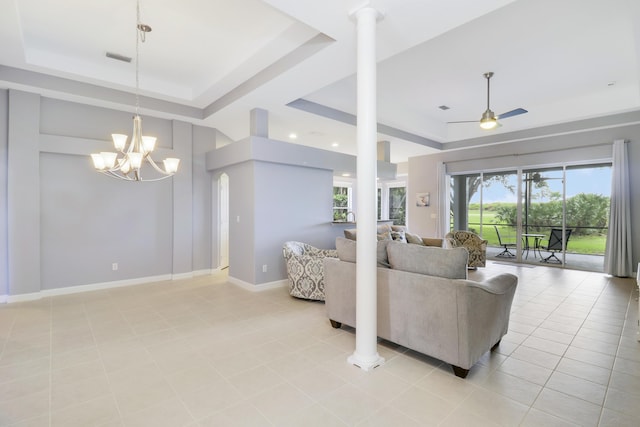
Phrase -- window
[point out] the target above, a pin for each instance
(392, 202)
(398, 205)
(342, 201)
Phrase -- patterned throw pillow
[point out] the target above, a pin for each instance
(399, 236)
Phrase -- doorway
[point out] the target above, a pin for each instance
(223, 222)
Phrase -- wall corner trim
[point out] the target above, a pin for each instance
(259, 287)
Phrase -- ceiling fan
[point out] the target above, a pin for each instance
(489, 120)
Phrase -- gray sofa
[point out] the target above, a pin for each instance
(425, 301)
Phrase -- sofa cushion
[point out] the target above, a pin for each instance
(386, 235)
(432, 261)
(381, 229)
(350, 233)
(413, 238)
(347, 251)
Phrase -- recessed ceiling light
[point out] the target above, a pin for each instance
(444, 107)
(335, 144)
(346, 174)
(293, 136)
(611, 84)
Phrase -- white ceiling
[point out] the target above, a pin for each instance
(563, 60)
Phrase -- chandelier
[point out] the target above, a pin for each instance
(128, 160)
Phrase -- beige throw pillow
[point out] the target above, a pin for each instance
(413, 238)
(429, 260)
(347, 251)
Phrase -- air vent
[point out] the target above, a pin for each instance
(118, 57)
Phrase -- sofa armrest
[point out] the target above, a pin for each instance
(499, 284)
(483, 315)
(432, 241)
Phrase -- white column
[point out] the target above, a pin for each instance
(366, 353)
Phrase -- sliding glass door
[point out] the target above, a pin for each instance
(555, 215)
(588, 196)
(486, 204)
(543, 209)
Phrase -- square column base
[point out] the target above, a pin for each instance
(366, 363)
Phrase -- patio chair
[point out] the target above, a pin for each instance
(506, 253)
(555, 244)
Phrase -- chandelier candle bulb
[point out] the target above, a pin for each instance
(98, 161)
(135, 159)
(125, 166)
(171, 164)
(109, 159)
(148, 143)
(119, 141)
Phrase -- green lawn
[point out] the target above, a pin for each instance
(592, 244)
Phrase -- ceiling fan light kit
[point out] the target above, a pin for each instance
(488, 120)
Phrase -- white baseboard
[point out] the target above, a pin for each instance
(259, 287)
(4, 299)
(97, 286)
(205, 272)
(182, 276)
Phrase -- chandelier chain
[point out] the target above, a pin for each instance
(139, 35)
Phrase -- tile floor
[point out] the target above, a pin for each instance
(203, 352)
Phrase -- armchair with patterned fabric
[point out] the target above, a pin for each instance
(476, 246)
(305, 269)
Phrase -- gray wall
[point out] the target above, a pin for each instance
(4, 120)
(88, 222)
(292, 203)
(279, 192)
(241, 221)
(204, 139)
(270, 204)
(585, 146)
(67, 224)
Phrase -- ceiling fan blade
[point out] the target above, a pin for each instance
(512, 113)
(465, 121)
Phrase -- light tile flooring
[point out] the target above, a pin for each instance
(203, 352)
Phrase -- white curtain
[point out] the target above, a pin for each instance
(618, 256)
(443, 201)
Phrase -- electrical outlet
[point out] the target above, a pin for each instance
(264, 268)
(114, 266)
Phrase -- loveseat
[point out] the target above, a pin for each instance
(425, 300)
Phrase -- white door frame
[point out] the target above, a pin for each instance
(223, 221)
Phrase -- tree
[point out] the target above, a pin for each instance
(585, 214)
(586, 211)
(398, 205)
